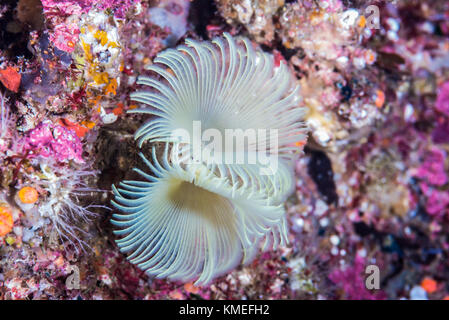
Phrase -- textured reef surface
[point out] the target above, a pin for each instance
(371, 184)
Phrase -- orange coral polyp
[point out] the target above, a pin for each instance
(28, 195)
(429, 284)
(380, 98)
(6, 221)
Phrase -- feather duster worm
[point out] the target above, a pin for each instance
(226, 84)
(200, 219)
(184, 221)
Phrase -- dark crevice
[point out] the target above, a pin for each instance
(13, 33)
(320, 169)
(201, 14)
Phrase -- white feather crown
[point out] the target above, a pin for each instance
(199, 220)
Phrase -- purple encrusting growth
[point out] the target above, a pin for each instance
(69, 7)
(432, 176)
(118, 7)
(433, 169)
(66, 34)
(351, 280)
(54, 141)
(442, 103)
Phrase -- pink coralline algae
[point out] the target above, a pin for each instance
(441, 133)
(62, 15)
(442, 103)
(118, 7)
(65, 7)
(76, 7)
(432, 169)
(56, 141)
(351, 281)
(433, 175)
(65, 37)
(437, 201)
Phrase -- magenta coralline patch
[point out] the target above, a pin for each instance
(432, 169)
(352, 282)
(437, 201)
(65, 7)
(64, 34)
(442, 103)
(65, 37)
(55, 141)
(118, 7)
(441, 133)
(332, 5)
(433, 176)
